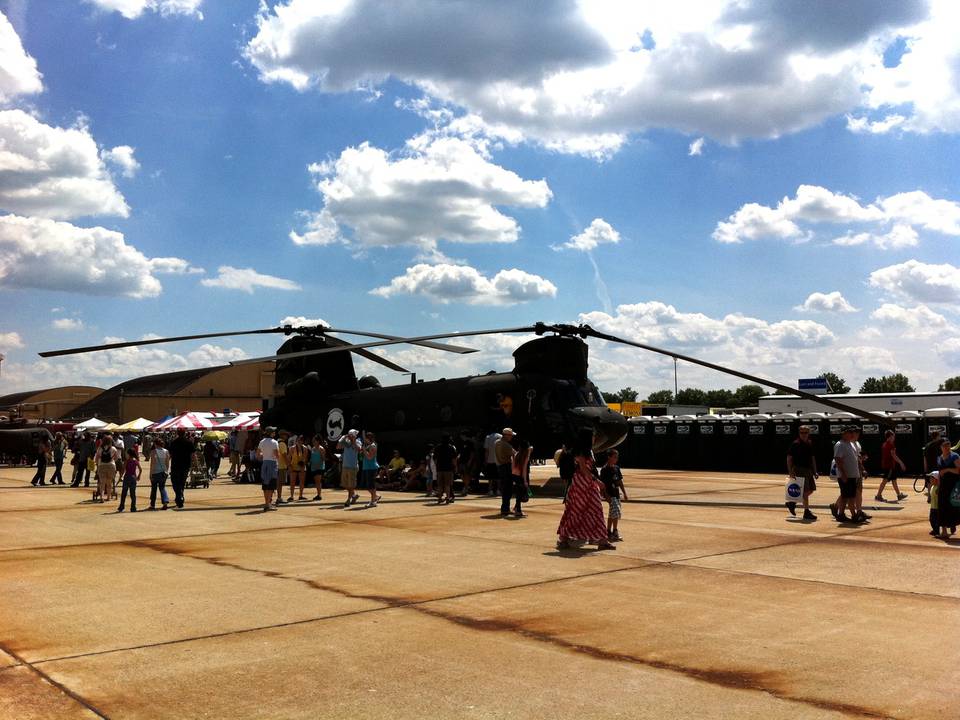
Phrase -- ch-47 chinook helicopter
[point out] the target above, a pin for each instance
(547, 397)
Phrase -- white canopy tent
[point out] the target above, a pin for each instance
(91, 424)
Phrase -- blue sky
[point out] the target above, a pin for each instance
(775, 189)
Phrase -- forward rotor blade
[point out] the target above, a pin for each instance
(155, 341)
(436, 346)
(753, 378)
(367, 354)
(383, 343)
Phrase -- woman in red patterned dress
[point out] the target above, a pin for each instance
(583, 518)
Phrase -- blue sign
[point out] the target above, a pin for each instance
(812, 384)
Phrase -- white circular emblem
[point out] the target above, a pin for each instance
(335, 424)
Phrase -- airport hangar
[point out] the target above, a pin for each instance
(50, 403)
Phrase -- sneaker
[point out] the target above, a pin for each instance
(792, 508)
(879, 498)
(807, 515)
(934, 533)
(617, 536)
(315, 498)
(902, 496)
(841, 517)
(833, 511)
(119, 509)
(133, 509)
(865, 516)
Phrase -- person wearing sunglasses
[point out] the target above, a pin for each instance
(802, 463)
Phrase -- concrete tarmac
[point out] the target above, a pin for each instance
(717, 604)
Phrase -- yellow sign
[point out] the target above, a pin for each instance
(614, 406)
(631, 409)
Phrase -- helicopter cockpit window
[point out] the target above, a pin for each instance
(399, 418)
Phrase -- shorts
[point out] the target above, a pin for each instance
(317, 474)
(234, 457)
(848, 487)
(281, 476)
(348, 478)
(445, 478)
(615, 509)
(268, 474)
(891, 474)
(809, 483)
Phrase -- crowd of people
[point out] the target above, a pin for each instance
(941, 467)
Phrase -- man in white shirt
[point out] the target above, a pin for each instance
(268, 452)
(490, 460)
(848, 476)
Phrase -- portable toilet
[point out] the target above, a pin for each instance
(708, 442)
(759, 431)
(684, 443)
(784, 433)
(819, 437)
(635, 451)
(732, 455)
(871, 441)
(938, 419)
(661, 442)
(908, 425)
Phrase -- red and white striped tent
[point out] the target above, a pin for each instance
(252, 423)
(188, 421)
(238, 421)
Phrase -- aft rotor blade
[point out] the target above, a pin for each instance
(155, 341)
(746, 376)
(436, 346)
(367, 354)
(383, 343)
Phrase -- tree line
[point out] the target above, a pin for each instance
(748, 395)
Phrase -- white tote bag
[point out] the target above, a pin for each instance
(793, 491)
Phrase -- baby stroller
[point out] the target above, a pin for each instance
(199, 476)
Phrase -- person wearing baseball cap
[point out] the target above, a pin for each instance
(848, 476)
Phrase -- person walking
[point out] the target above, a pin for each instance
(566, 466)
(234, 469)
(131, 473)
(297, 457)
(445, 456)
(802, 463)
(582, 519)
(889, 462)
(490, 461)
(181, 451)
(612, 479)
(159, 467)
(318, 465)
(520, 475)
(350, 448)
(211, 457)
(86, 449)
(848, 477)
(268, 452)
(107, 458)
(59, 454)
(43, 455)
(948, 481)
(371, 468)
(504, 452)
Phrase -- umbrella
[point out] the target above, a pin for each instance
(91, 424)
(136, 425)
(214, 435)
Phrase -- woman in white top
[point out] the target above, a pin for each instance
(159, 468)
(107, 458)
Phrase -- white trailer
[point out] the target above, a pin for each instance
(872, 402)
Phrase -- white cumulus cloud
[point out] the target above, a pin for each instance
(68, 324)
(888, 223)
(920, 282)
(444, 189)
(10, 341)
(581, 77)
(122, 157)
(18, 71)
(916, 322)
(50, 255)
(445, 283)
(301, 321)
(247, 280)
(696, 147)
(53, 172)
(599, 232)
(132, 9)
(832, 302)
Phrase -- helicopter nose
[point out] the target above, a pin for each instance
(609, 427)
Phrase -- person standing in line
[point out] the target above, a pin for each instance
(43, 454)
(297, 457)
(159, 466)
(131, 473)
(268, 452)
(612, 478)
(318, 465)
(81, 471)
(283, 456)
(371, 468)
(349, 447)
(504, 453)
(490, 461)
(582, 519)
(445, 456)
(848, 475)
(59, 454)
(802, 463)
(234, 470)
(211, 457)
(181, 451)
(106, 467)
(889, 462)
(949, 477)
(520, 475)
(146, 447)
